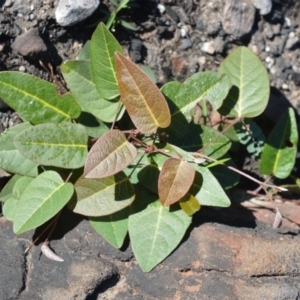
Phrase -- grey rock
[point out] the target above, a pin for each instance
(238, 18)
(13, 261)
(268, 31)
(219, 44)
(292, 41)
(264, 6)
(186, 44)
(214, 24)
(29, 44)
(70, 12)
(82, 273)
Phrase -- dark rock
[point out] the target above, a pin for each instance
(29, 44)
(295, 77)
(238, 18)
(137, 50)
(13, 263)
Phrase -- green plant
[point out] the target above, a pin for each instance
(112, 18)
(128, 155)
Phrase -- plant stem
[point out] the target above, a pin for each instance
(261, 183)
(41, 234)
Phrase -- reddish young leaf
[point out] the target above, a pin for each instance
(143, 100)
(175, 179)
(109, 155)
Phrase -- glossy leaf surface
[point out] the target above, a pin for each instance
(102, 196)
(61, 145)
(43, 198)
(102, 50)
(36, 100)
(143, 100)
(249, 94)
(11, 159)
(109, 155)
(175, 179)
(78, 76)
(280, 150)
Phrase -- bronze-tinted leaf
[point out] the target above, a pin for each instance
(143, 100)
(175, 179)
(109, 155)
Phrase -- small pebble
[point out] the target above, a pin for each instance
(186, 44)
(270, 62)
(161, 8)
(292, 41)
(183, 32)
(209, 47)
(22, 69)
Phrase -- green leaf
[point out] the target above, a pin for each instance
(189, 204)
(43, 198)
(128, 25)
(175, 179)
(109, 155)
(155, 231)
(179, 123)
(11, 160)
(205, 85)
(113, 227)
(62, 145)
(214, 143)
(94, 126)
(143, 100)
(280, 150)
(102, 50)
(78, 76)
(11, 204)
(36, 100)
(250, 90)
(148, 177)
(226, 177)
(85, 51)
(150, 73)
(207, 189)
(101, 197)
(209, 86)
(20, 186)
(7, 191)
(9, 208)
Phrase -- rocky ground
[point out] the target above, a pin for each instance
(229, 254)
